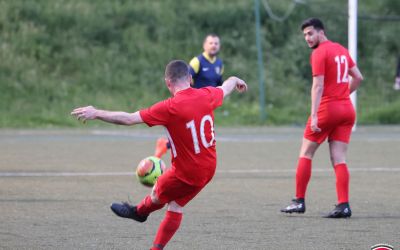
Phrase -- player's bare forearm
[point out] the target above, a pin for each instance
(356, 78)
(233, 83)
(316, 93)
(118, 117)
(115, 117)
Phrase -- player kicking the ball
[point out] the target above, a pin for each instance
(189, 119)
(332, 115)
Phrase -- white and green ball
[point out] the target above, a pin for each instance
(149, 169)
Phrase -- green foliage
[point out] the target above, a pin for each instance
(388, 114)
(57, 55)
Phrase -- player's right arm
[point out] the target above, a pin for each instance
(316, 94)
(194, 66)
(356, 78)
(115, 117)
(232, 83)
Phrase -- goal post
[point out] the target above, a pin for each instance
(352, 44)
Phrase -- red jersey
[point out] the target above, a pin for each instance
(332, 61)
(189, 119)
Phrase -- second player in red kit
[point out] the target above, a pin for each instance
(332, 61)
(332, 115)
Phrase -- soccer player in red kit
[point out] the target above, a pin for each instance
(188, 117)
(332, 115)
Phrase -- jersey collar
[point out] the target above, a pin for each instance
(211, 60)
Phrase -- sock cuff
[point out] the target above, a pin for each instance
(173, 215)
(340, 165)
(303, 159)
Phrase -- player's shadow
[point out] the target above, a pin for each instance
(353, 217)
(376, 216)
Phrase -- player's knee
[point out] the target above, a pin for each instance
(306, 153)
(337, 158)
(332, 159)
(175, 207)
(154, 199)
(308, 149)
(153, 196)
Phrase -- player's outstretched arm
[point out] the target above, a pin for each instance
(115, 117)
(356, 78)
(232, 83)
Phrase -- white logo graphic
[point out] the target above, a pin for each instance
(205, 69)
(382, 247)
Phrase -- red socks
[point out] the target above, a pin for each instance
(342, 182)
(167, 229)
(303, 174)
(146, 206)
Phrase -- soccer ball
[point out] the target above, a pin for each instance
(149, 169)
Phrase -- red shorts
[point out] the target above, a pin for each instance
(169, 188)
(336, 121)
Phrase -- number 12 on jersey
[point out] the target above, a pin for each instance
(342, 77)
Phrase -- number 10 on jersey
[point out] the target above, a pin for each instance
(192, 126)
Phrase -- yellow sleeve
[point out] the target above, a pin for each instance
(195, 64)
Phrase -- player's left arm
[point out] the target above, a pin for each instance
(356, 78)
(219, 81)
(316, 95)
(115, 117)
(232, 83)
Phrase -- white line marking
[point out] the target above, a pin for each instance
(222, 171)
(63, 174)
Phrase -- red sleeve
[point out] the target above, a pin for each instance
(216, 96)
(318, 62)
(156, 114)
(351, 62)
